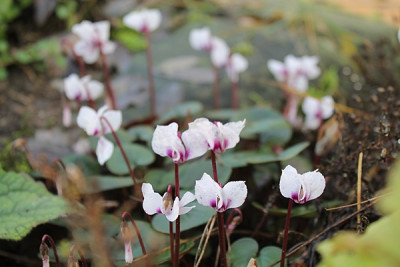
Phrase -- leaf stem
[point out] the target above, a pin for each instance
(106, 72)
(235, 97)
(178, 220)
(150, 74)
(53, 246)
(126, 214)
(128, 165)
(285, 235)
(71, 253)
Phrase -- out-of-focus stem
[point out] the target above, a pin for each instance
(71, 253)
(150, 75)
(53, 246)
(171, 242)
(285, 234)
(128, 165)
(216, 87)
(178, 220)
(235, 97)
(106, 72)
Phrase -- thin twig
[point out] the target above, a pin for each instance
(359, 174)
(53, 246)
(71, 253)
(206, 235)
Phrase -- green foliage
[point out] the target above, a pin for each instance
(378, 246)
(131, 39)
(269, 255)
(181, 111)
(242, 251)
(86, 163)
(25, 204)
(13, 160)
(104, 183)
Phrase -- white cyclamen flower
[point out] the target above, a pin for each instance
(145, 20)
(200, 39)
(210, 193)
(168, 142)
(301, 187)
(317, 110)
(93, 124)
(155, 203)
(82, 89)
(295, 72)
(236, 64)
(218, 137)
(219, 52)
(93, 37)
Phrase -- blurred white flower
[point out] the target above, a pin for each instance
(93, 124)
(145, 20)
(295, 72)
(82, 89)
(200, 39)
(167, 141)
(236, 64)
(210, 193)
(93, 37)
(317, 110)
(218, 137)
(219, 52)
(301, 187)
(154, 203)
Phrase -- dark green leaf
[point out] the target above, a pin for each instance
(269, 255)
(87, 164)
(181, 111)
(242, 251)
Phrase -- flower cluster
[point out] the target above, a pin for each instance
(221, 56)
(145, 20)
(82, 89)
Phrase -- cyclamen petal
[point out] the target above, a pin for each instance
(316, 110)
(209, 193)
(89, 121)
(128, 252)
(301, 187)
(237, 64)
(80, 89)
(200, 39)
(166, 142)
(104, 150)
(145, 20)
(219, 52)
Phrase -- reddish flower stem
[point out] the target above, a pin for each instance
(128, 165)
(171, 242)
(216, 88)
(71, 253)
(53, 246)
(285, 234)
(232, 214)
(178, 220)
(220, 218)
(77, 58)
(109, 88)
(126, 214)
(150, 75)
(235, 97)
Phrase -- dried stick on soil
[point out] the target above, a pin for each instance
(359, 174)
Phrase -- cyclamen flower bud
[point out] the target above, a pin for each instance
(44, 251)
(72, 262)
(127, 236)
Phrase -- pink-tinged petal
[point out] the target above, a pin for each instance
(234, 194)
(133, 20)
(152, 19)
(299, 83)
(200, 39)
(219, 52)
(104, 150)
(87, 51)
(95, 89)
(290, 184)
(88, 120)
(46, 261)
(237, 64)
(108, 47)
(195, 143)
(278, 69)
(152, 201)
(73, 87)
(327, 106)
(187, 198)
(166, 142)
(128, 252)
(314, 184)
(205, 191)
(84, 30)
(293, 65)
(312, 122)
(174, 213)
(208, 129)
(310, 67)
(311, 106)
(230, 132)
(115, 119)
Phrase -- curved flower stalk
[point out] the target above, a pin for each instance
(168, 142)
(210, 193)
(219, 137)
(200, 39)
(155, 203)
(82, 89)
(294, 72)
(146, 21)
(317, 110)
(90, 120)
(299, 188)
(94, 39)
